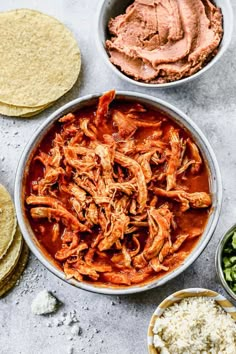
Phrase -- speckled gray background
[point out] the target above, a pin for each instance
(112, 325)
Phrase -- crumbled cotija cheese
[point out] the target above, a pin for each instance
(195, 325)
(44, 303)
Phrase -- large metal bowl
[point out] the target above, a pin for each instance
(181, 119)
(111, 8)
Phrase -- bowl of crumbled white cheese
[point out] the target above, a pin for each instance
(193, 321)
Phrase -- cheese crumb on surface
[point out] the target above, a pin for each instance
(195, 325)
(76, 330)
(70, 350)
(44, 303)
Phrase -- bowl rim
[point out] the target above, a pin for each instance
(218, 260)
(128, 79)
(177, 296)
(40, 131)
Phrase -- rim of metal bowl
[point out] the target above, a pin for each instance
(28, 234)
(123, 76)
(218, 261)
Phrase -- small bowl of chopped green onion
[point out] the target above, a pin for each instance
(226, 261)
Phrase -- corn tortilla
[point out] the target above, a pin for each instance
(17, 111)
(32, 114)
(11, 280)
(7, 221)
(39, 58)
(8, 262)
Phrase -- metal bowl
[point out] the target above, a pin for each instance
(111, 8)
(177, 297)
(218, 261)
(182, 120)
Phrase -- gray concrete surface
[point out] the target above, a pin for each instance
(112, 325)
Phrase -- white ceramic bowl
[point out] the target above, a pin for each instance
(177, 297)
(111, 8)
(181, 119)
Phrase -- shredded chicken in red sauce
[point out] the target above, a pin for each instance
(118, 193)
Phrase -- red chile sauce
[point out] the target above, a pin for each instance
(193, 218)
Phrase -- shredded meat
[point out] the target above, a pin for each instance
(114, 199)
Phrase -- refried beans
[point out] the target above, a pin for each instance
(158, 41)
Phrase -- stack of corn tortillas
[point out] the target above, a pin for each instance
(13, 250)
(39, 62)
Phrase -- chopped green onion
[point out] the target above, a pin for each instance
(226, 261)
(227, 272)
(234, 240)
(229, 261)
(228, 250)
(232, 260)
